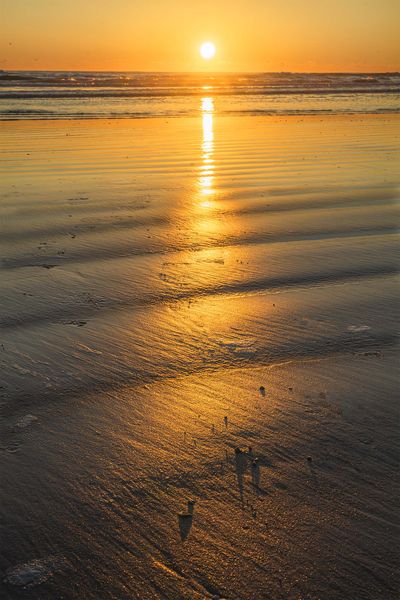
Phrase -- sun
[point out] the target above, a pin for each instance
(207, 50)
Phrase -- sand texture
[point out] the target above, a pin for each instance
(198, 385)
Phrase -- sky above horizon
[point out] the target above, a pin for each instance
(165, 35)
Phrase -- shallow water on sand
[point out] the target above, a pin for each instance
(94, 95)
(154, 274)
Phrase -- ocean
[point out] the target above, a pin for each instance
(76, 95)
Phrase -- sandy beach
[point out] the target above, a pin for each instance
(173, 290)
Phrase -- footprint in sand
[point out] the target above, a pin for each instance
(358, 328)
(75, 322)
(26, 420)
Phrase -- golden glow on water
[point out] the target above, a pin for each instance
(206, 179)
(206, 222)
(206, 203)
(207, 104)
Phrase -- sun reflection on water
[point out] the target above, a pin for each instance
(206, 169)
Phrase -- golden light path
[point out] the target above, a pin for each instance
(207, 167)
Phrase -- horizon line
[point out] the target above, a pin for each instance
(376, 72)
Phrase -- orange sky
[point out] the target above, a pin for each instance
(164, 35)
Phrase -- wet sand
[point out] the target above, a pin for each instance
(154, 275)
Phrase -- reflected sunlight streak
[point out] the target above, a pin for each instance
(207, 168)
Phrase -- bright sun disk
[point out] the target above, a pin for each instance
(207, 50)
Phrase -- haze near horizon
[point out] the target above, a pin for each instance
(162, 35)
